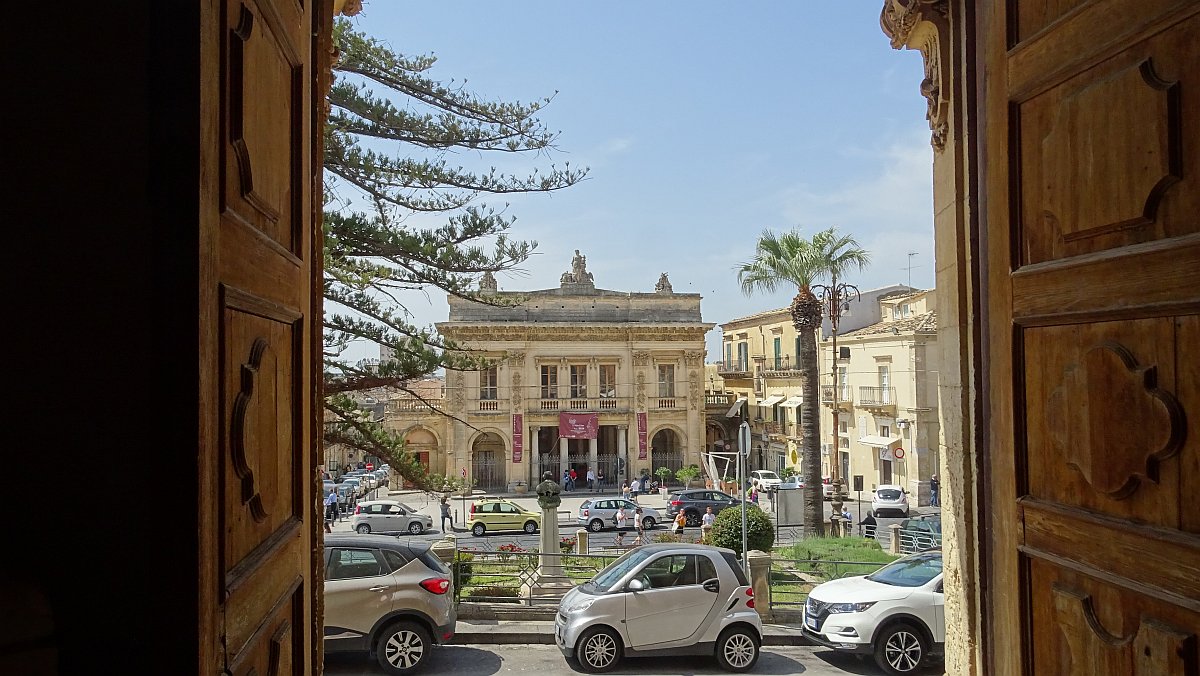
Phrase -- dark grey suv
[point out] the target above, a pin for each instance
(389, 596)
(692, 503)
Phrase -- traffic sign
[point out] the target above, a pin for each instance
(899, 452)
(370, 466)
(464, 472)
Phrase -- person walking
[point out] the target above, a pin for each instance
(600, 479)
(566, 480)
(330, 510)
(591, 480)
(633, 490)
(620, 518)
(935, 491)
(640, 525)
(680, 522)
(867, 526)
(574, 478)
(446, 514)
(709, 518)
(625, 490)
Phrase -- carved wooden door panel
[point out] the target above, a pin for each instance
(1091, 119)
(257, 588)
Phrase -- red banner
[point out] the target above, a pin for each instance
(641, 419)
(518, 436)
(578, 425)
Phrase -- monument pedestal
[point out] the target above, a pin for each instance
(550, 582)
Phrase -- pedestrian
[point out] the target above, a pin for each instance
(620, 518)
(599, 478)
(633, 490)
(446, 514)
(935, 491)
(625, 489)
(566, 480)
(680, 522)
(752, 493)
(330, 510)
(574, 478)
(867, 526)
(591, 479)
(640, 524)
(709, 518)
(619, 541)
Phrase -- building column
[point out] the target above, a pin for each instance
(622, 453)
(534, 479)
(563, 448)
(593, 454)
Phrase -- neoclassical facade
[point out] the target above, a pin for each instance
(585, 378)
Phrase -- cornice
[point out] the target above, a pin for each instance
(573, 333)
(924, 25)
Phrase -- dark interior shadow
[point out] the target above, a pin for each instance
(768, 663)
(451, 659)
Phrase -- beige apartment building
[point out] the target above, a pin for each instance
(886, 391)
(587, 378)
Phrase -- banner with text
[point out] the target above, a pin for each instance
(578, 425)
(518, 436)
(641, 422)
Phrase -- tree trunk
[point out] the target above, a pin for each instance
(810, 426)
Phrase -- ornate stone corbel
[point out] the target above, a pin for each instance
(924, 25)
(693, 358)
(641, 358)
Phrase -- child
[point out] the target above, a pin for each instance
(680, 522)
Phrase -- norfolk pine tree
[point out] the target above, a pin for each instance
(390, 135)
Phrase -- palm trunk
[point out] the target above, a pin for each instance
(810, 443)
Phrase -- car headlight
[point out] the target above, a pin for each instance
(849, 607)
(579, 606)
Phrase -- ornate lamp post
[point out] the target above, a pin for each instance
(837, 300)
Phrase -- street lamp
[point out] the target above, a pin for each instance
(836, 297)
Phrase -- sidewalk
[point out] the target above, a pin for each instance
(498, 632)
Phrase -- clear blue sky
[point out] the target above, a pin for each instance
(703, 123)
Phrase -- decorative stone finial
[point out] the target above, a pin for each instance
(548, 492)
(487, 282)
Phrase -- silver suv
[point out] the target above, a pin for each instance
(662, 599)
(386, 595)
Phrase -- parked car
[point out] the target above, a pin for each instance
(346, 496)
(388, 516)
(766, 478)
(889, 498)
(499, 514)
(596, 515)
(327, 486)
(672, 599)
(894, 614)
(921, 533)
(693, 502)
(796, 481)
(382, 474)
(386, 596)
(355, 485)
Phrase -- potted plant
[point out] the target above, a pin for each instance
(687, 474)
(663, 474)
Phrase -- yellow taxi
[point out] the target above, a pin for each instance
(499, 514)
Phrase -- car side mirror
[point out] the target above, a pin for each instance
(635, 585)
(713, 585)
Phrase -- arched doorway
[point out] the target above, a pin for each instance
(423, 445)
(666, 450)
(487, 462)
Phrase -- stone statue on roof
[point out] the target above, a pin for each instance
(664, 285)
(578, 273)
(487, 282)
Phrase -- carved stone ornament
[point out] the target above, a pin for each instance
(578, 276)
(515, 358)
(924, 25)
(516, 391)
(549, 492)
(693, 358)
(458, 399)
(693, 389)
(641, 358)
(663, 285)
(487, 282)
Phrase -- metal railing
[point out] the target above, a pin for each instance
(510, 574)
(843, 394)
(791, 579)
(876, 396)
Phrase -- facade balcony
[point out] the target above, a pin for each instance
(584, 404)
(719, 400)
(877, 398)
(668, 403)
(413, 405)
(844, 400)
(738, 368)
(781, 367)
(489, 406)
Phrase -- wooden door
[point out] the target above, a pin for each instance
(260, 318)
(1091, 192)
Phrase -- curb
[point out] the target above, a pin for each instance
(547, 638)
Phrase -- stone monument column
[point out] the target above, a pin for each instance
(623, 453)
(549, 580)
(563, 449)
(534, 455)
(593, 454)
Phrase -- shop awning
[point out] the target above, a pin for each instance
(879, 442)
(771, 400)
(792, 402)
(736, 409)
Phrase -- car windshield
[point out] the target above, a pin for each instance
(611, 575)
(911, 571)
(888, 493)
(768, 475)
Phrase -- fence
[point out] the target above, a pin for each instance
(508, 574)
(487, 472)
(792, 579)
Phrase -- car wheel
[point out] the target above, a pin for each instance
(402, 647)
(598, 650)
(595, 525)
(899, 649)
(362, 529)
(530, 527)
(693, 518)
(415, 528)
(478, 530)
(648, 523)
(737, 649)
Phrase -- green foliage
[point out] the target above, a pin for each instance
(663, 473)
(390, 129)
(686, 474)
(789, 470)
(494, 594)
(727, 529)
(824, 554)
(462, 569)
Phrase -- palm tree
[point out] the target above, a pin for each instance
(788, 259)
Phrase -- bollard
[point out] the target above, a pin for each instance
(894, 545)
(760, 582)
(581, 541)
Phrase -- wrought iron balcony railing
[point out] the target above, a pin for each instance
(877, 396)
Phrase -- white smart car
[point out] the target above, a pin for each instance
(662, 599)
(895, 614)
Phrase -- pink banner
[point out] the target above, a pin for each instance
(578, 425)
(518, 436)
(641, 422)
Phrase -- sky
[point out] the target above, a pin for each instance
(702, 125)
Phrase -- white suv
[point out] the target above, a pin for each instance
(889, 498)
(895, 613)
(766, 478)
